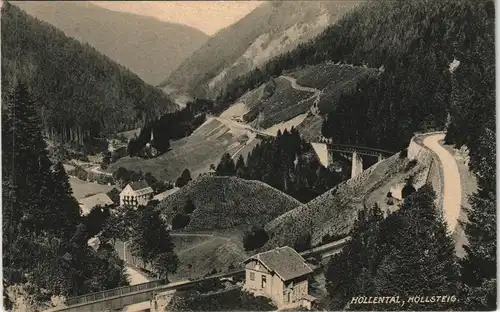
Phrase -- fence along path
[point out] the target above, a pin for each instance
(82, 303)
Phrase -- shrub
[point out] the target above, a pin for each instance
(403, 153)
(114, 195)
(389, 194)
(209, 285)
(180, 221)
(303, 243)
(410, 165)
(189, 207)
(79, 172)
(105, 179)
(255, 239)
(183, 179)
(230, 300)
(408, 189)
(390, 202)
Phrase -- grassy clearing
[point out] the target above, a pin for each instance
(202, 258)
(197, 152)
(184, 242)
(83, 188)
(227, 203)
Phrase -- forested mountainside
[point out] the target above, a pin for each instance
(287, 163)
(148, 47)
(80, 92)
(430, 54)
(271, 29)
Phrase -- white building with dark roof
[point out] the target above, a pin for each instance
(281, 275)
(136, 194)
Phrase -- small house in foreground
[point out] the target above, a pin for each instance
(281, 275)
(136, 194)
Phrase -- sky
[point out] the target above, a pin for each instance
(207, 16)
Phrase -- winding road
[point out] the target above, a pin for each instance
(452, 186)
(316, 95)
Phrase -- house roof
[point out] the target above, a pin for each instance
(88, 203)
(139, 185)
(285, 261)
(165, 194)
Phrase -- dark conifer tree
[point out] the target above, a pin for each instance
(226, 166)
(41, 242)
(153, 243)
(65, 209)
(240, 167)
(183, 179)
(419, 255)
(479, 267)
(348, 272)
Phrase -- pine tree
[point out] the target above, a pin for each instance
(26, 166)
(419, 256)
(479, 264)
(183, 179)
(42, 245)
(240, 167)
(349, 272)
(152, 242)
(226, 166)
(65, 210)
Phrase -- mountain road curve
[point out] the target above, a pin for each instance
(316, 95)
(452, 187)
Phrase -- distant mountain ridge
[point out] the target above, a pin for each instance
(81, 92)
(270, 30)
(149, 47)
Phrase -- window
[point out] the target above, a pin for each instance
(263, 281)
(252, 276)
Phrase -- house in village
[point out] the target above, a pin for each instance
(87, 204)
(281, 275)
(136, 194)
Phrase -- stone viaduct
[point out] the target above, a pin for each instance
(325, 150)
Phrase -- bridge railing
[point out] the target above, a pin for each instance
(361, 148)
(114, 292)
(143, 286)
